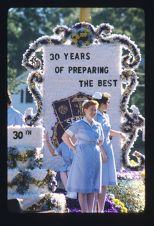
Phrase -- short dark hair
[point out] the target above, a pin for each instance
(9, 101)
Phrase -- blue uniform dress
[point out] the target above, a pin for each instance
(67, 155)
(109, 176)
(85, 174)
(14, 117)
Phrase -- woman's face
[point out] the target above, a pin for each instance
(90, 112)
(105, 106)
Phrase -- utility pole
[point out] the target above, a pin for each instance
(85, 15)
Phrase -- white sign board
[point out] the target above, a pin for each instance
(72, 74)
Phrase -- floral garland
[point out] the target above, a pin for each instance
(32, 78)
(23, 179)
(11, 160)
(85, 34)
(49, 202)
(30, 155)
(133, 121)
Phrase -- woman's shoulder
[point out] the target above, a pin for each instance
(99, 117)
(74, 125)
(78, 122)
(96, 123)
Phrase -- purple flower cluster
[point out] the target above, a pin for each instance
(109, 207)
(74, 210)
(128, 175)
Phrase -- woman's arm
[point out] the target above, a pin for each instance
(52, 151)
(67, 140)
(115, 133)
(104, 156)
(100, 142)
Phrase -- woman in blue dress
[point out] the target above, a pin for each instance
(64, 151)
(86, 170)
(109, 177)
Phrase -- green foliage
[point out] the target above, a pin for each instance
(128, 21)
(12, 82)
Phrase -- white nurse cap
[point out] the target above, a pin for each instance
(97, 95)
(84, 102)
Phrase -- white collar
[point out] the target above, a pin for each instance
(104, 115)
(91, 124)
(99, 112)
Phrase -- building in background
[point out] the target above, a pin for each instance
(23, 99)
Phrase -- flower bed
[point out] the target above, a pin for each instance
(130, 190)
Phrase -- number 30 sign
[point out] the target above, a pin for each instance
(25, 136)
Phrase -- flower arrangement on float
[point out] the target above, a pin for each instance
(130, 189)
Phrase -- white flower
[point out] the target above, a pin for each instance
(111, 196)
(11, 174)
(23, 148)
(135, 110)
(28, 111)
(33, 189)
(22, 165)
(39, 174)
